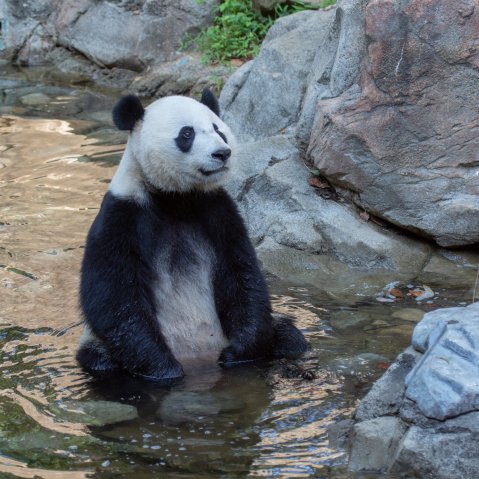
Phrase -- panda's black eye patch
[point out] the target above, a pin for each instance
(222, 135)
(185, 138)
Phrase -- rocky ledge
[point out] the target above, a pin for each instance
(421, 418)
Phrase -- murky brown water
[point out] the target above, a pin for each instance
(57, 155)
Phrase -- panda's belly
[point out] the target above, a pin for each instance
(185, 304)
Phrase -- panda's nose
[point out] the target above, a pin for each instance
(222, 154)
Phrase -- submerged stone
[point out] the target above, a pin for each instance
(34, 99)
(183, 406)
(94, 413)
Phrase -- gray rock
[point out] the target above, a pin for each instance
(358, 365)
(339, 432)
(337, 62)
(386, 395)
(149, 35)
(429, 329)
(129, 35)
(436, 445)
(445, 383)
(412, 315)
(442, 265)
(186, 406)
(411, 414)
(35, 99)
(430, 454)
(187, 75)
(374, 443)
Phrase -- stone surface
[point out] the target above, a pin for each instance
(445, 383)
(385, 397)
(97, 413)
(189, 407)
(374, 442)
(337, 62)
(186, 76)
(339, 432)
(34, 99)
(264, 98)
(281, 209)
(431, 443)
(130, 35)
(430, 454)
(404, 137)
(412, 315)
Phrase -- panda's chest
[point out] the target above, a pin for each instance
(184, 295)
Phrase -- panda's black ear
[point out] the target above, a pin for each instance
(209, 99)
(127, 112)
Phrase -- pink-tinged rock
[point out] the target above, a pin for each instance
(405, 138)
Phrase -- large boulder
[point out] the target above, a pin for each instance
(404, 137)
(307, 61)
(382, 95)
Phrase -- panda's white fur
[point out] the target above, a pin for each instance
(186, 307)
(152, 154)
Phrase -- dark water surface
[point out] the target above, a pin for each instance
(57, 154)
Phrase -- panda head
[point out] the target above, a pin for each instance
(180, 144)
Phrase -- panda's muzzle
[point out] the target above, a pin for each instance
(222, 155)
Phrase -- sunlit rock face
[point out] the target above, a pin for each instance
(404, 137)
(264, 97)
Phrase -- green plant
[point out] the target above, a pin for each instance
(239, 29)
(236, 32)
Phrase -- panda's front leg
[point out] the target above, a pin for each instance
(244, 309)
(118, 307)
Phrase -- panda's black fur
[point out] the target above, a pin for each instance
(120, 277)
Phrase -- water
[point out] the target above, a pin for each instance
(57, 155)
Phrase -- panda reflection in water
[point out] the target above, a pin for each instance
(169, 275)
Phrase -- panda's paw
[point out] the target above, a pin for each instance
(166, 370)
(228, 356)
(95, 358)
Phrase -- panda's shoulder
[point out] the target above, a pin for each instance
(116, 216)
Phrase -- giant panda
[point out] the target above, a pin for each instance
(169, 275)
